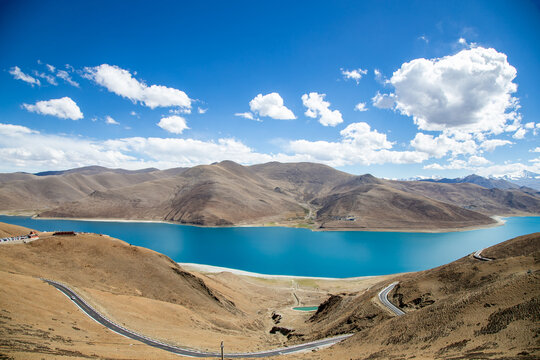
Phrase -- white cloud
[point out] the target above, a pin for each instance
(361, 107)
(50, 79)
(462, 41)
(469, 91)
(245, 115)
(134, 113)
(355, 74)
(120, 82)
(361, 134)
(50, 67)
(109, 120)
(443, 144)
(180, 111)
(173, 124)
(19, 75)
(359, 145)
(529, 125)
(64, 108)
(15, 130)
(491, 144)
(472, 163)
(520, 133)
(478, 161)
(271, 105)
(424, 38)
(537, 149)
(384, 101)
(378, 76)
(64, 75)
(317, 107)
(200, 110)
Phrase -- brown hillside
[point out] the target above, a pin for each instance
(292, 194)
(474, 197)
(374, 205)
(468, 309)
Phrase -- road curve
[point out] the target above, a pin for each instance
(92, 313)
(383, 298)
(478, 255)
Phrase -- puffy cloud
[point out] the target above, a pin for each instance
(271, 105)
(470, 91)
(361, 107)
(64, 75)
(537, 149)
(109, 120)
(200, 110)
(173, 124)
(359, 145)
(64, 108)
(317, 107)
(472, 163)
(19, 75)
(120, 82)
(491, 144)
(361, 135)
(355, 74)
(60, 152)
(478, 161)
(443, 144)
(15, 130)
(384, 101)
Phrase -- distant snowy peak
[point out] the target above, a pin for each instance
(521, 175)
(524, 178)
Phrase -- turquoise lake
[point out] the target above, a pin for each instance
(289, 251)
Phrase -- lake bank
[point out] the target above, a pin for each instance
(497, 222)
(296, 251)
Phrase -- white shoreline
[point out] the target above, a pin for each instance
(210, 269)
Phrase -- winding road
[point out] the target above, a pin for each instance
(101, 319)
(478, 255)
(383, 298)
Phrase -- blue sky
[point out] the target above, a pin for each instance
(445, 88)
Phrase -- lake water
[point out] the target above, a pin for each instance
(289, 251)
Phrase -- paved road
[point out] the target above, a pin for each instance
(92, 313)
(383, 297)
(478, 255)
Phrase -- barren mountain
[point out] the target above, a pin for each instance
(292, 194)
(220, 194)
(474, 197)
(367, 202)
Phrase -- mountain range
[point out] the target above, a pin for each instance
(525, 179)
(295, 194)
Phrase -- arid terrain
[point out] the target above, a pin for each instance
(468, 309)
(294, 194)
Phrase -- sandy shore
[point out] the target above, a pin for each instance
(498, 222)
(210, 269)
